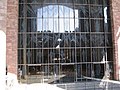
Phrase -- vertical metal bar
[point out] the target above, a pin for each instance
(48, 40)
(91, 59)
(54, 72)
(42, 59)
(59, 62)
(25, 41)
(106, 62)
(75, 67)
(59, 41)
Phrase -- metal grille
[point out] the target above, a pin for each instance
(62, 41)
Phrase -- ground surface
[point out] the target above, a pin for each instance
(35, 86)
(91, 85)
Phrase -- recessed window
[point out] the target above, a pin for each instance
(64, 39)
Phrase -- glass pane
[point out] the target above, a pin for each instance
(55, 39)
(97, 25)
(31, 56)
(20, 58)
(85, 55)
(31, 40)
(22, 11)
(81, 1)
(108, 13)
(66, 39)
(106, 2)
(97, 54)
(61, 11)
(39, 11)
(51, 10)
(22, 25)
(39, 56)
(48, 11)
(83, 11)
(99, 70)
(45, 55)
(34, 10)
(73, 40)
(45, 11)
(21, 1)
(46, 39)
(32, 25)
(39, 25)
(65, 1)
(76, 25)
(97, 1)
(50, 1)
(68, 11)
(76, 13)
(52, 57)
(71, 25)
(79, 71)
(63, 55)
(107, 26)
(55, 25)
(73, 53)
(85, 40)
(84, 25)
(51, 40)
(69, 72)
(66, 24)
(55, 10)
(109, 54)
(88, 70)
(39, 40)
(108, 39)
(78, 38)
(20, 39)
(98, 40)
(96, 12)
(61, 25)
(35, 1)
(45, 24)
(78, 53)
(83, 70)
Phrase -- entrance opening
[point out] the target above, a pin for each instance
(63, 41)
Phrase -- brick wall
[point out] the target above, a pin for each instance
(115, 27)
(3, 14)
(3, 11)
(12, 34)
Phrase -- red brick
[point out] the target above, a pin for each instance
(12, 30)
(12, 2)
(116, 23)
